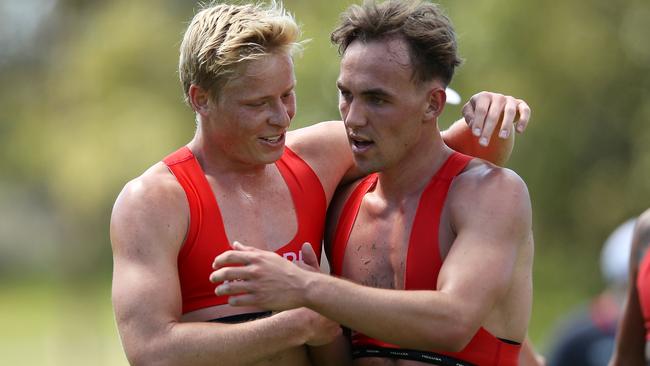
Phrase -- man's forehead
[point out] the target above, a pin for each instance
(377, 64)
(392, 51)
(265, 65)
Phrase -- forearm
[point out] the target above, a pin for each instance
(413, 319)
(459, 137)
(210, 343)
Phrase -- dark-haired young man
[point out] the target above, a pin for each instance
(435, 247)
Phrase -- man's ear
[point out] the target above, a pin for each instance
(436, 103)
(199, 99)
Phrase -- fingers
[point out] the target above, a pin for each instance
(509, 114)
(495, 109)
(232, 257)
(242, 300)
(486, 111)
(239, 246)
(231, 274)
(233, 288)
(309, 256)
(524, 116)
(481, 104)
(468, 112)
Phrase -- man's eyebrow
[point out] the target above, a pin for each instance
(376, 92)
(373, 92)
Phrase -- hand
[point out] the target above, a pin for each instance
(484, 111)
(261, 278)
(309, 259)
(322, 331)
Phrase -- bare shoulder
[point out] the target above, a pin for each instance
(150, 210)
(324, 146)
(314, 139)
(486, 191)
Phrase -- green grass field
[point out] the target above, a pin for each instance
(49, 324)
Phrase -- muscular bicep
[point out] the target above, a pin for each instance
(491, 216)
(147, 230)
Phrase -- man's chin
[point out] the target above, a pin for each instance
(367, 166)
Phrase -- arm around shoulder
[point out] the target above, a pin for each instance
(324, 146)
(459, 137)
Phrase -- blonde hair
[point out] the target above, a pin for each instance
(223, 37)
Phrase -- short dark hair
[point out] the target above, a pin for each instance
(423, 25)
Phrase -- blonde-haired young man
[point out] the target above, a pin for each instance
(242, 177)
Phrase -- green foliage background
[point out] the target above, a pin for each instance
(91, 99)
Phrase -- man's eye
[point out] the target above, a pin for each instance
(256, 104)
(376, 100)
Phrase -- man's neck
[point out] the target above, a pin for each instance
(412, 173)
(216, 162)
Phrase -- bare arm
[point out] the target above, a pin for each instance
(477, 133)
(630, 339)
(445, 319)
(148, 225)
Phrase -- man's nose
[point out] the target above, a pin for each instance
(355, 116)
(280, 115)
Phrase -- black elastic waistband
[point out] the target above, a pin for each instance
(407, 354)
(241, 318)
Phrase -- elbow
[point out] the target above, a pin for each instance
(152, 352)
(459, 338)
(457, 334)
(144, 356)
(148, 358)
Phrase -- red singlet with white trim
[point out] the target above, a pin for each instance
(643, 288)
(206, 236)
(423, 264)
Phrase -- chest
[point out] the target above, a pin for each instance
(395, 246)
(260, 215)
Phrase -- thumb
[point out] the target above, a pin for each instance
(239, 246)
(309, 256)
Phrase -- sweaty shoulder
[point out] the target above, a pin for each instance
(485, 190)
(324, 146)
(151, 210)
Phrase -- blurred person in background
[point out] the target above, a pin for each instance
(587, 336)
(236, 180)
(633, 336)
(436, 247)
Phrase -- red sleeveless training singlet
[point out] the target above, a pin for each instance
(423, 264)
(643, 288)
(206, 235)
